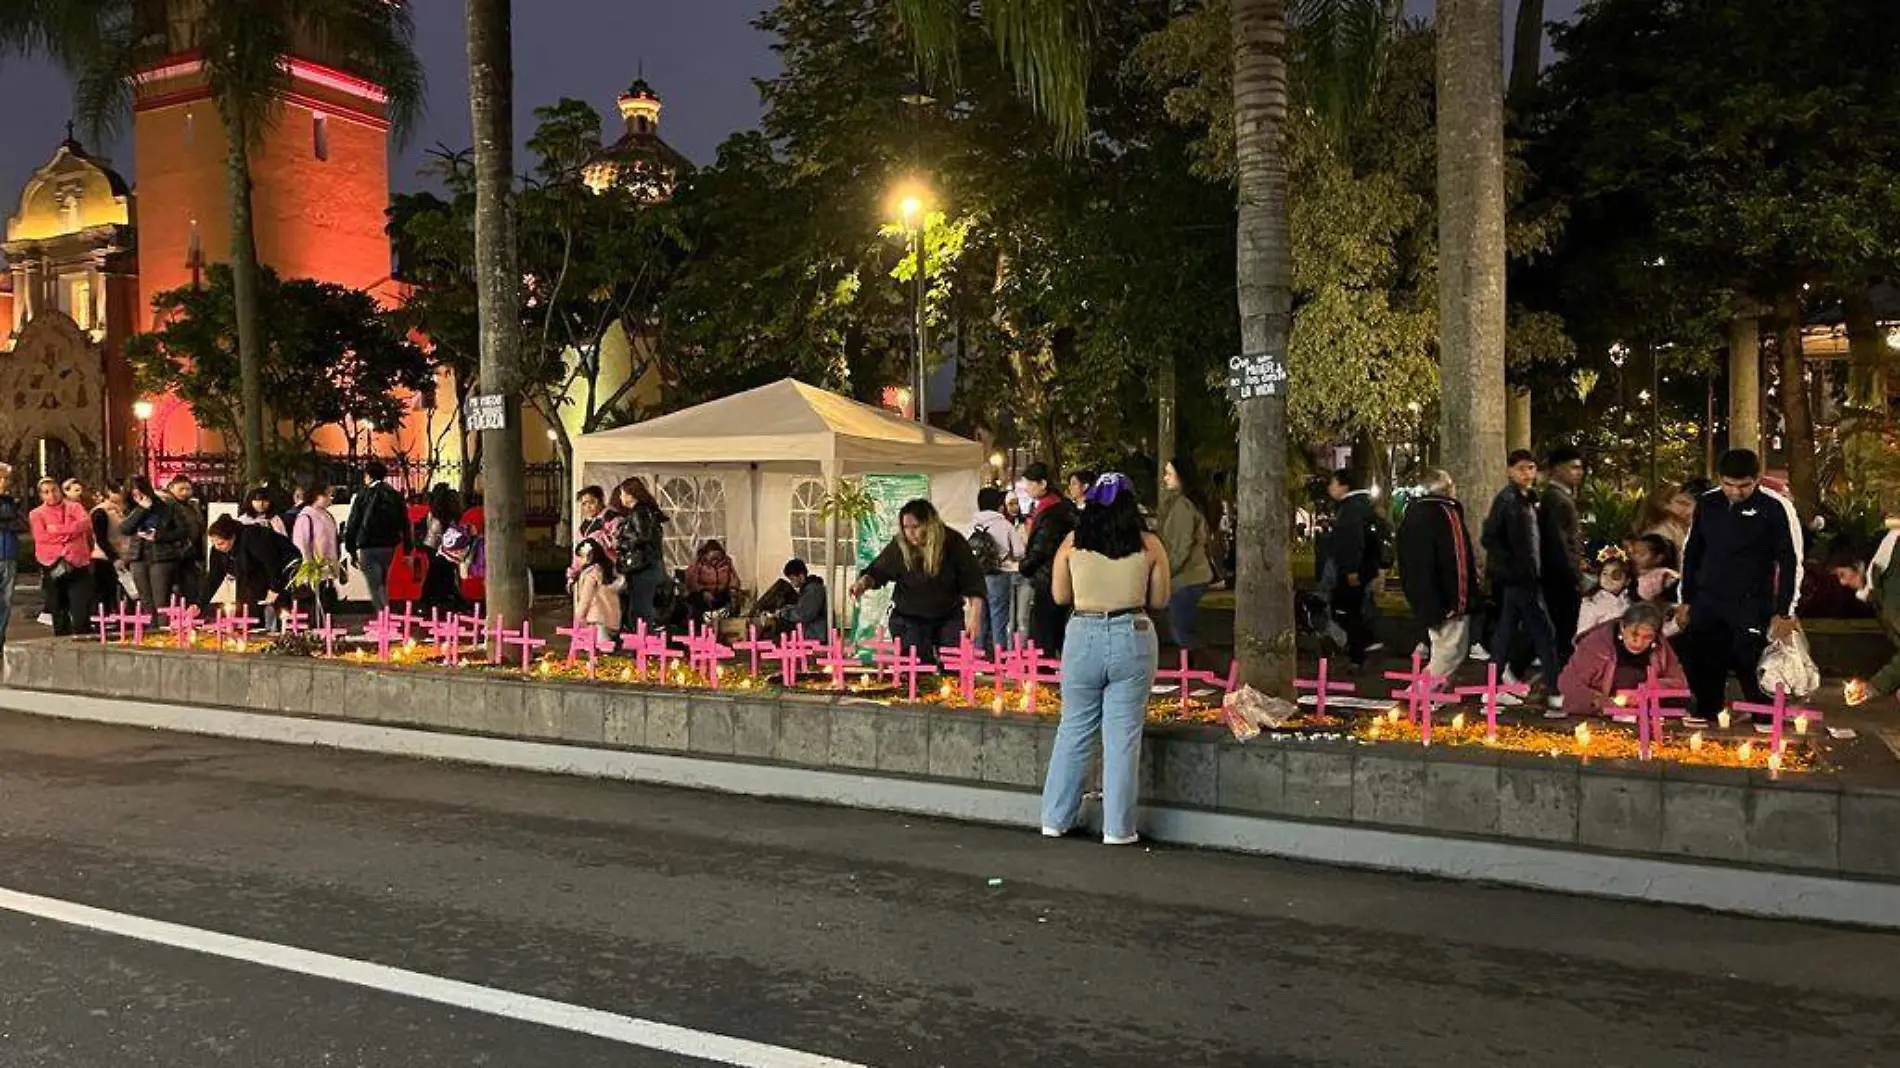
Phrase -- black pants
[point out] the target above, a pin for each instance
(1350, 609)
(1713, 648)
(1565, 604)
(925, 636)
(1048, 622)
(70, 600)
(1521, 611)
(700, 602)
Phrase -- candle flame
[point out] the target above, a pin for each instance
(1774, 762)
(626, 674)
(1746, 752)
(1583, 734)
(1695, 742)
(1722, 719)
(1621, 700)
(1393, 714)
(1458, 722)
(1801, 724)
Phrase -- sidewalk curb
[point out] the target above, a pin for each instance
(1723, 889)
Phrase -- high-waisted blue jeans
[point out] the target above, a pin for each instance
(1108, 668)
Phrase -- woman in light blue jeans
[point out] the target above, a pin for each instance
(1112, 571)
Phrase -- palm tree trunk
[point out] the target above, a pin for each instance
(1263, 618)
(1527, 50)
(244, 279)
(498, 288)
(1471, 244)
(1797, 422)
(1744, 383)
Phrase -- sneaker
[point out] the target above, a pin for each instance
(1555, 700)
(46, 619)
(1509, 700)
(1109, 839)
(1478, 652)
(1051, 832)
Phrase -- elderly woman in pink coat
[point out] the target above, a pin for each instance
(1616, 657)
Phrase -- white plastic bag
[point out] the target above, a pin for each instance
(1788, 664)
(1246, 711)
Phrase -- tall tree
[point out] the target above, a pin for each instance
(1471, 243)
(491, 94)
(242, 45)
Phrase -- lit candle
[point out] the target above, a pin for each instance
(1746, 752)
(409, 646)
(1721, 719)
(1801, 724)
(1774, 762)
(1621, 700)
(626, 674)
(1458, 722)
(1374, 732)
(1583, 734)
(1695, 742)
(1393, 715)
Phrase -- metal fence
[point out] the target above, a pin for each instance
(218, 476)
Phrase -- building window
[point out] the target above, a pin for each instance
(320, 135)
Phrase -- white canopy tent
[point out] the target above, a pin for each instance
(753, 469)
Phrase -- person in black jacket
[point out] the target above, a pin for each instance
(1741, 576)
(377, 528)
(1050, 523)
(939, 587)
(1357, 553)
(810, 609)
(180, 496)
(1439, 571)
(258, 560)
(639, 538)
(160, 542)
(1560, 529)
(1513, 548)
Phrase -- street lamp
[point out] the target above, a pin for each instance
(142, 411)
(912, 205)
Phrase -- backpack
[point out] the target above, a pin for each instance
(989, 555)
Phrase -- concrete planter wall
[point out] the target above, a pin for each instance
(1812, 824)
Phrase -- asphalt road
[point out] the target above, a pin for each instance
(875, 939)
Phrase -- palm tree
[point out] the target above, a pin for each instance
(491, 91)
(1471, 248)
(104, 44)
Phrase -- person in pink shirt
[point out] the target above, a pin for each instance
(62, 543)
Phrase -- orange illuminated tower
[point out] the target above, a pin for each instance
(320, 178)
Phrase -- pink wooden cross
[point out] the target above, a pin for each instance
(1651, 714)
(1422, 696)
(1780, 709)
(445, 633)
(1322, 686)
(905, 669)
(753, 647)
(1036, 671)
(182, 619)
(383, 631)
(1187, 677)
(705, 653)
(242, 622)
(884, 653)
(637, 642)
(138, 620)
(471, 633)
(408, 621)
(526, 642)
(329, 636)
(836, 660)
(582, 640)
(104, 619)
(967, 661)
(794, 655)
(1490, 691)
(295, 620)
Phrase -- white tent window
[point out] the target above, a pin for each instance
(809, 523)
(696, 510)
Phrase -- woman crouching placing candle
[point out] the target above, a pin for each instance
(1870, 576)
(1614, 658)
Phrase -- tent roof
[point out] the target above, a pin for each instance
(786, 420)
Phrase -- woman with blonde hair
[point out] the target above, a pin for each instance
(938, 586)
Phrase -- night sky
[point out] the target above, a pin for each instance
(700, 56)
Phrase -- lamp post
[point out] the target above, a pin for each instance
(142, 411)
(912, 211)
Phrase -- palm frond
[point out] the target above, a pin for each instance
(375, 39)
(1045, 44)
(1340, 56)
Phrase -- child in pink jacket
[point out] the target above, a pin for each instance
(596, 589)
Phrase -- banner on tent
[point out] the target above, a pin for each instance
(891, 492)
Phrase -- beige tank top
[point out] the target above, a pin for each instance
(1104, 585)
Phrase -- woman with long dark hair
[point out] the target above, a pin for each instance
(639, 551)
(1182, 524)
(446, 540)
(1111, 571)
(938, 587)
(159, 540)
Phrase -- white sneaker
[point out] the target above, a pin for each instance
(1509, 678)
(46, 619)
(1509, 700)
(1478, 652)
(1051, 832)
(1114, 841)
(1554, 701)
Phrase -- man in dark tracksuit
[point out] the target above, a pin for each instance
(1357, 551)
(1561, 529)
(1513, 550)
(1741, 576)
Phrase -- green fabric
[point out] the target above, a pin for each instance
(1887, 597)
(1183, 534)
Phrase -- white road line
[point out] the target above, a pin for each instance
(628, 1030)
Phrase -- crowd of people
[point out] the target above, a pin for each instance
(1703, 588)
